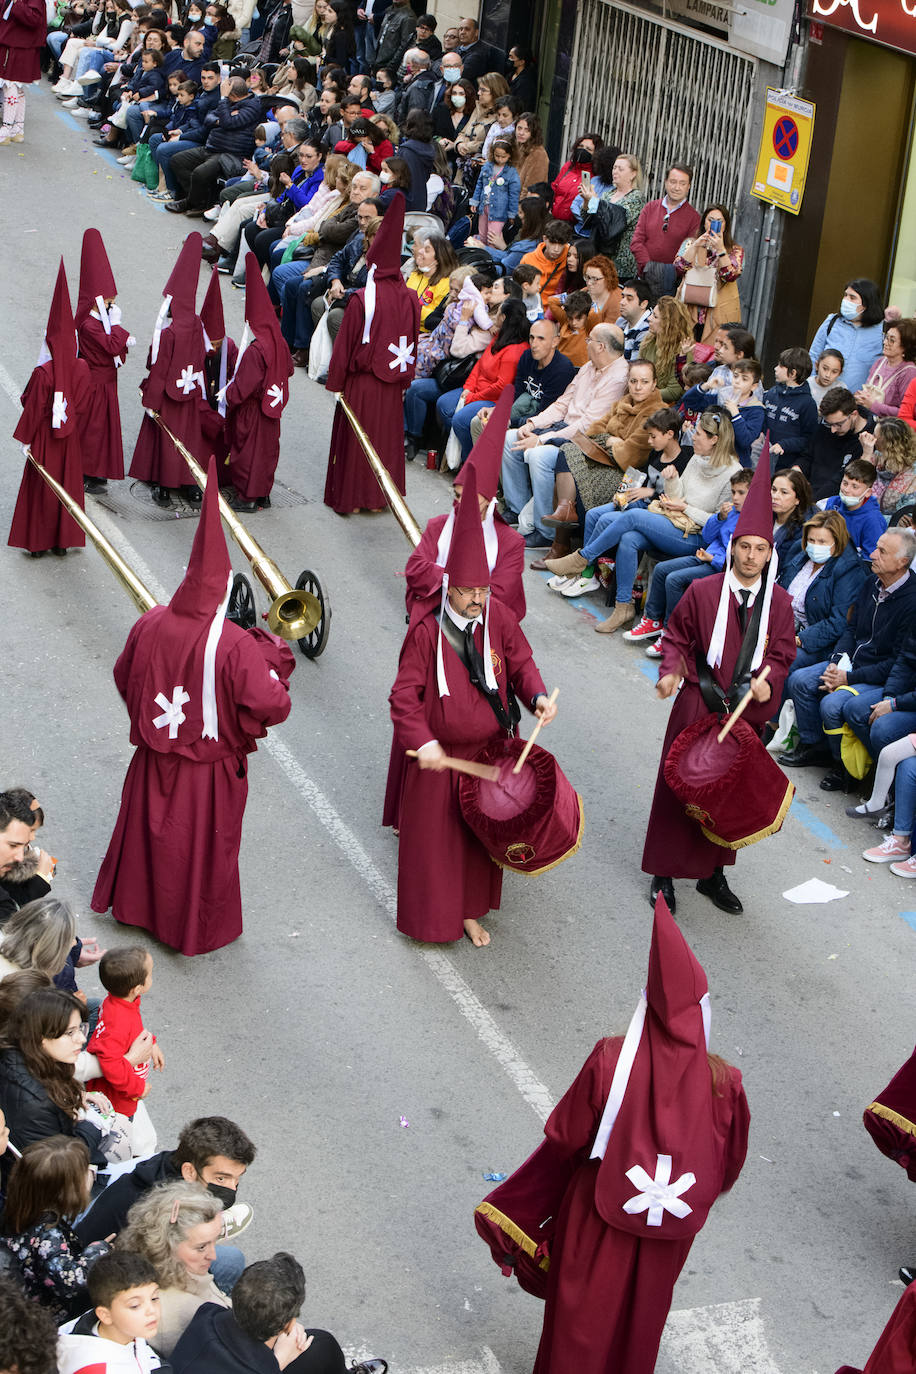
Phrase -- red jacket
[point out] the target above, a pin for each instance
(118, 1026)
(566, 186)
(492, 373)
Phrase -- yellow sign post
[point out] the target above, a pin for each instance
(785, 146)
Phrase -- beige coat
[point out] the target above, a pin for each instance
(178, 1305)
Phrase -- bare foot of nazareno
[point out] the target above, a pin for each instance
(476, 933)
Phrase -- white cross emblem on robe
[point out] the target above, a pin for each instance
(172, 714)
(58, 410)
(403, 354)
(276, 395)
(658, 1195)
(189, 379)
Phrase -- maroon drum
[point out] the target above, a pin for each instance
(530, 821)
(735, 791)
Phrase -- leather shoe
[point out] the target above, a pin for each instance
(211, 254)
(558, 549)
(719, 893)
(565, 514)
(837, 780)
(369, 1367)
(161, 496)
(300, 357)
(907, 1274)
(176, 207)
(535, 540)
(665, 887)
(193, 213)
(804, 756)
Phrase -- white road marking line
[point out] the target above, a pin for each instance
(534, 1092)
(726, 1336)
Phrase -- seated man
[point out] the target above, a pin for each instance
(213, 1151)
(863, 659)
(262, 1330)
(543, 374)
(530, 453)
(858, 507)
(636, 302)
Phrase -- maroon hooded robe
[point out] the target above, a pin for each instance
(895, 1352)
(221, 363)
(55, 400)
(175, 385)
(257, 394)
(374, 375)
(172, 864)
(22, 37)
(105, 350)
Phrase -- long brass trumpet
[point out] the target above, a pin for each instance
(292, 614)
(139, 593)
(399, 506)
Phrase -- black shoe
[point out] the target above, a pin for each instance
(58, 552)
(510, 517)
(162, 496)
(244, 507)
(838, 780)
(666, 887)
(872, 816)
(719, 893)
(369, 1367)
(193, 495)
(907, 1274)
(410, 448)
(177, 207)
(804, 756)
(94, 485)
(536, 540)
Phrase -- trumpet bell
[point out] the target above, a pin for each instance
(294, 614)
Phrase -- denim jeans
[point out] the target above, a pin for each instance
(90, 59)
(817, 711)
(461, 425)
(888, 728)
(226, 1269)
(57, 41)
(422, 393)
(904, 796)
(631, 532)
(135, 123)
(528, 473)
(446, 406)
(670, 581)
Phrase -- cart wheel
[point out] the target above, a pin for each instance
(241, 609)
(313, 644)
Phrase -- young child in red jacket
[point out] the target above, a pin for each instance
(125, 973)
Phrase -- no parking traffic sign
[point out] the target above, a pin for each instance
(785, 145)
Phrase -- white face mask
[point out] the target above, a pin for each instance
(818, 553)
(849, 500)
(459, 100)
(451, 73)
(386, 177)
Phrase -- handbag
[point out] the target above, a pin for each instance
(700, 286)
(452, 373)
(119, 118)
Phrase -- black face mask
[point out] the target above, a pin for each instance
(226, 1196)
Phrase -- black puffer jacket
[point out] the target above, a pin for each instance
(30, 1113)
(108, 1214)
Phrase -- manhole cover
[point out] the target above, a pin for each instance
(133, 501)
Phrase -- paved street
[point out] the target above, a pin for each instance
(379, 1079)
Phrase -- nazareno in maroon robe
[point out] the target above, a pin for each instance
(22, 37)
(253, 431)
(895, 1352)
(424, 574)
(445, 876)
(103, 451)
(39, 520)
(608, 1290)
(675, 845)
(172, 864)
(156, 460)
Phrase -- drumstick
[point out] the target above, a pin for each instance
(742, 705)
(551, 701)
(488, 771)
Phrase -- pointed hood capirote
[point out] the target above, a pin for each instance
(180, 300)
(657, 1144)
(467, 556)
(261, 322)
(486, 457)
(60, 347)
(203, 586)
(383, 259)
(756, 517)
(211, 312)
(97, 283)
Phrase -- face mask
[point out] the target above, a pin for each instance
(385, 177)
(459, 100)
(194, 18)
(818, 553)
(451, 74)
(849, 500)
(226, 1195)
(849, 310)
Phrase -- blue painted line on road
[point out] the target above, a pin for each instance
(910, 918)
(111, 155)
(817, 827)
(584, 603)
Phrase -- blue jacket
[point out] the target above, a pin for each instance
(860, 346)
(303, 187)
(828, 598)
(187, 119)
(231, 126)
(207, 102)
(877, 629)
(787, 540)
(340, 268)
(509, 258)
(747, 424)
(715, 536)
(497, 191)
(901, 681)
(148, 84)
(175, 61)
(791, 419)
(866, 524)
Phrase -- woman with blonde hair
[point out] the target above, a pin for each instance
(669, 345)
(175, 1226)
(892, 449)
(629, 193)
(39, 935)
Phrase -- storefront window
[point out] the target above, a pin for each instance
(903, 272)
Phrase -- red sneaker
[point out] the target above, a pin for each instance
(645, 630)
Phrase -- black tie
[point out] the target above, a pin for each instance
(745, 596)
(474, 657)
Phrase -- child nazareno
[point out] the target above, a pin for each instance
(125, 973)
(114, 1334)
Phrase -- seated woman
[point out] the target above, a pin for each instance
(461, 336)
(890, 375)
(294, 270)
(434, 261)
(792, 502)
(264, 234)
(601, 283)
(176, 1226)
(42, 934)
(394, 176)
(39, 1093)
(48, 1189)
(669, 345)
(714, 247)
(492, 373)
(672, 525)
(892, 449)
(823, 579)
(296, 78)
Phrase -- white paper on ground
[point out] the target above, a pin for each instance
(814, 890)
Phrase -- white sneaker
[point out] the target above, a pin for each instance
(82, 112)
(235, 1219)
(67, 88)
(89, 78)
(130, 164)
(557, 583)
(124, 158)
(212, 214)
(72, 103)
(578, 586)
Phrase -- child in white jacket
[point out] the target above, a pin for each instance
(114, 1335)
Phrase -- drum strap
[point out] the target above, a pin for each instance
(716, 698)
(469, 654)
